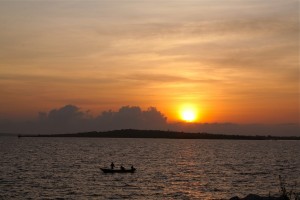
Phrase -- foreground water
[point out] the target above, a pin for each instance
(68, 168)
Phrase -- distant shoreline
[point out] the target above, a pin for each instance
(133, 133)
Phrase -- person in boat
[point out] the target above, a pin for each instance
(112, 165)
(132, 168)
(122, 168)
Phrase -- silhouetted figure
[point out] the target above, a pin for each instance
(112, 165)
(122, 168)
(132, 168)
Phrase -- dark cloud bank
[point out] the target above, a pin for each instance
(70, 119)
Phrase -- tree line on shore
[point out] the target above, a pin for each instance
(134, 133)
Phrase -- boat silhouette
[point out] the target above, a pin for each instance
(106, 170)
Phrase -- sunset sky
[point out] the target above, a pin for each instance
(229, 61)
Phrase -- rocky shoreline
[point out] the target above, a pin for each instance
(257, 197)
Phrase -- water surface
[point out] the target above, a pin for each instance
(69, 168)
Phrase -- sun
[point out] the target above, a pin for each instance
(188, 114)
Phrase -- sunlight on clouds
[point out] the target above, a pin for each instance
(103, 54)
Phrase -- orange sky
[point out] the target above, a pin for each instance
(235, 61)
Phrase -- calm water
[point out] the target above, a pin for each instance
(68, 168)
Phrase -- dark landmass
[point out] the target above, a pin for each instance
(132, 133)
(257, 197)
(8, 134)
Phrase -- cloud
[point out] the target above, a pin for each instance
(71, 119)
(68, 118)
(111, 52)
(132, 117)
(68, 113)
(166, 78)
(289, 129)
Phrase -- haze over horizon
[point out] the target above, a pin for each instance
(72, 119)
(210, 62)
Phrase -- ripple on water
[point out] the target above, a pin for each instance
(59, 168)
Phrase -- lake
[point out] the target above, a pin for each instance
(69, 168)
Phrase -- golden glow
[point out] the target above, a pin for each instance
(166, 58)
(188, 113)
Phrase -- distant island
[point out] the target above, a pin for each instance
(133, 133)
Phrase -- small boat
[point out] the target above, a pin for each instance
(106, 170)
